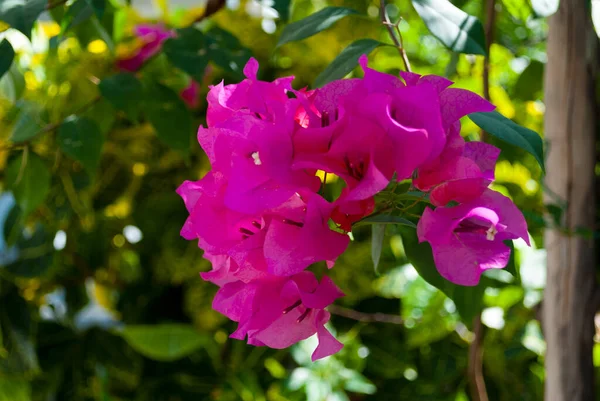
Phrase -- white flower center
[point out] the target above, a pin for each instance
(256, 158)
(490, 234)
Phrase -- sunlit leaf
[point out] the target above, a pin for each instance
(313, 24)
(164, 342)
(346, 61)
(505, 129)
(456, 29)
(7, 54)
(80, 138)
(29, 179)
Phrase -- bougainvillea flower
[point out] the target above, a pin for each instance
(152, 38)
(468, 239)
(251, 96)
(460, 178)
(257, 156)
(279, 312)
(189, 94)
(283, 241)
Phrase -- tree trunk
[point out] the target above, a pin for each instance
(570, 131)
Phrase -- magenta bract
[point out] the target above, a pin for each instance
(260, 216)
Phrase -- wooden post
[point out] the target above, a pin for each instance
(571, 122)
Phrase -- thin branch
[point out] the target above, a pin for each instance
(212, 6)
(395, 36)
(475, 371)
(364, 317)
(490, 24)
(56, 4)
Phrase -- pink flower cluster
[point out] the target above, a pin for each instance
(261, 220)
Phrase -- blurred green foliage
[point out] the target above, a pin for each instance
(100, 298)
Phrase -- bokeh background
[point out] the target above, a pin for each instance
(100, 298)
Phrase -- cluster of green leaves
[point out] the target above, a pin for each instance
(88, 153)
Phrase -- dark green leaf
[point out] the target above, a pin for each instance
(505, 129)
(283, 9)
(21, 14)
(7, 54)
(544, 8)
(188, 52)
(226, 51)
(512, 267)
(346, 61)
(530, 83)
(385, 219)
(124, 92)
(377, 236)
(35, 253)
(170, 117)
(81, 10)
(456, 29)
(80, 138)
(30, 184)
(164, 342)
(313, 24)
(468, 300)
(18, 335)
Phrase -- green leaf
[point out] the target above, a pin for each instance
(30, 184)
(81, 139)
(21, 14)
(544, 8)
(164, 342)
(283, 9)
(385, 219)
(80, 11)
(7, 54)
(456, 29)
(505, 129)
(170, 117)
(29, 123)
(468, 300)
(124, 92)
(12, 84)
(18, 330)
(377, 236)
(188, 52)
(531, 81)
(35, 253)
(226, 51)
(313, 24)
(346, 61)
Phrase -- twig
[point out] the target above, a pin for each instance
(475, 370)
(58, 3)
(212, 6)
(398, 42)
(490, 23)
(364, 317)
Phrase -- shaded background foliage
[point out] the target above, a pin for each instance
(100, 298)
